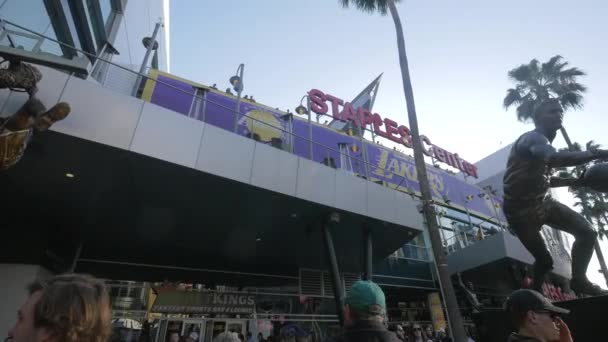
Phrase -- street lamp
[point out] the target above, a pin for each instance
(150, 44)
(306, 111)
(237, 84)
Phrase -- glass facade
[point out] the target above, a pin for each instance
(461, 229)
(82, 25)
(106, 10)
(28, 13)
(33, 15)
(458, 231)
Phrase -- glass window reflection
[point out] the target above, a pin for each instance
(106, 10)
(32, 15)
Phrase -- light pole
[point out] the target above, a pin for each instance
(306, 110)
(237, 84)
(150, 44)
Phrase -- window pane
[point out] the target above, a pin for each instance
(106, 9)
(70, 20)
(32, 15)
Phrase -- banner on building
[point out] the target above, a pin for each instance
(437, 315)
(203, 302)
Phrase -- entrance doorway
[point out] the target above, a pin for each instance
(205, 328)
(217, 326)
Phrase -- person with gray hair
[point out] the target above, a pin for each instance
(365, 315)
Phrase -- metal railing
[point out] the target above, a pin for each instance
(410, 251)
(459, 241)
(22, 38)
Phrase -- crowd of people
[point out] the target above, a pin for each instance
(73, 307)
(420, 333)
(173, 336)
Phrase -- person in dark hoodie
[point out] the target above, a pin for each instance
(535, 319)
(365, 315)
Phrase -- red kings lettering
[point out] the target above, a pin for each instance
(320, 103)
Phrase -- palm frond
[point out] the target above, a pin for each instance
(525, 110)
(513, 97)
(570, 75)
(552, 67)
(535, 67)
(555, 87)
(368, 6)
(592, 145)
(573, 87)
(522, 73)
(559, 88)
(572, 100)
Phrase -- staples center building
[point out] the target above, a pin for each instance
(205, 221)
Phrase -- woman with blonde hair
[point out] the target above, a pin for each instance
(64, 308)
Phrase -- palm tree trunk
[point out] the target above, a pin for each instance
(454, 317)
(597, 247)
(566, 137)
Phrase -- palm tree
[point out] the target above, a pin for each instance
(535, 83)
(454, 317)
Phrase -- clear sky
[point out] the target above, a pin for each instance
(459, 54)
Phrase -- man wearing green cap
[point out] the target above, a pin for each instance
(365, 315)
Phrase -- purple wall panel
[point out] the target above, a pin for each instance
(395, 168)
(165, 94)
(219, 111)
(300, 132)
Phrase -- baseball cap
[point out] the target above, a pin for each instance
(529, 300)
(364, 293)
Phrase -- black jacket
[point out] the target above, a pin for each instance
(367, 331)
(514, 337)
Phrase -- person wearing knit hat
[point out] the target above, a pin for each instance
(365, 315)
